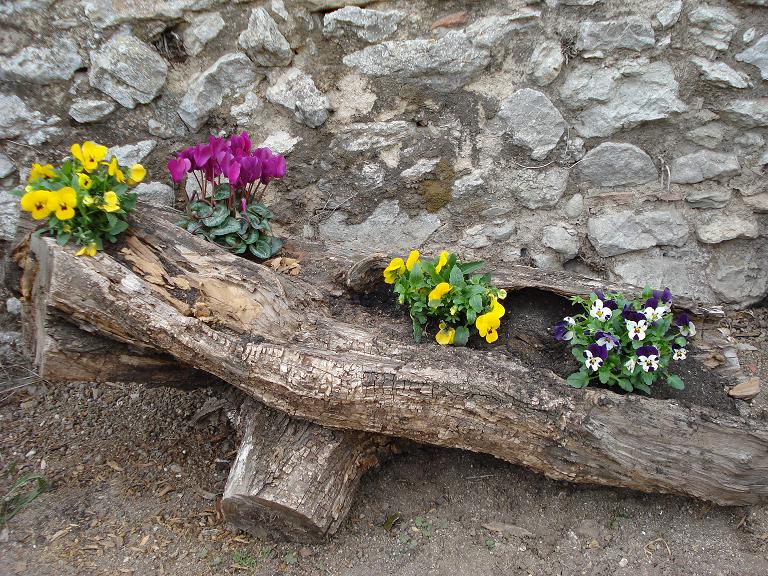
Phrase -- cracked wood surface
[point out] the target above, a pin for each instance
(272, 336)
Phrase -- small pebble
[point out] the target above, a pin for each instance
(623, 562)
(13, 306)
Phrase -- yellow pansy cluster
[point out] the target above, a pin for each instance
(85, 199)
(446, 290)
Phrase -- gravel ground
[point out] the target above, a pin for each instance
(133, 480)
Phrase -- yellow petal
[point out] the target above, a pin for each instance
(413, 257)
(395, 268)
(441, 261)
(444, 336)
(439, 291)
(137, 174)
(492, 336)
(84, 181)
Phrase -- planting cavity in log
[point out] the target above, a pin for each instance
(276, 338)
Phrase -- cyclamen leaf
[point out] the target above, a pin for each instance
(220, 213)
(222, 192)
(261, 249)
(277, 244)
(228, 226)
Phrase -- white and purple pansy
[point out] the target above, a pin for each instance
(665, 297)
(594, 356)
(637, 329)
(606, 339)
(679, 352)
(562, 331)
(602, 310)
(653, 310)
(648, 358)
(687, 328)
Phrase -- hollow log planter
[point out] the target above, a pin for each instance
(291, 478)
(274, 337)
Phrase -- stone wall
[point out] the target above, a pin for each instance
(622, 139)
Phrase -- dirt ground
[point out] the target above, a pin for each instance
(133, 477)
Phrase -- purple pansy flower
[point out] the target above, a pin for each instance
(594, 356)
(629, 314)
(665, 296)
(562, 330)
(687, 328)
(648, 358)
(607, 339)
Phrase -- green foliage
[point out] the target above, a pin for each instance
(21, 494)
(233, 228)
(447, 292)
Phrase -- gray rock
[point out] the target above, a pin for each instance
(738, 271)
(748, 35)
(546, 61)
(703, 165)
(18, 121)
(9, 215)
(42, 65)
(562, 240)
(710, 135)
(749, 142)
(536, 188)
(131, 154)
(492, 32)
(371, 176)
(469, 186)
(588, 84)
(484, 235)
(106, 13)
(263, 41)
(615, 164)
(6, 166)
(670, 14)
(388, 230)
(645, 92)
(575, 206)
(758, 203)
(156, 193)
(296, 91)
(599, 38)
(325, 5)
(202, 29)
(444, 65)
(532, 121)
(368, 25)
(85, 111)
(713, 26)
(708, 196)
(720, 74)
(128, 70)
(11, 348)
(366, 136)
(747, 113)
(280, 142)
(627, 231)
(207, 91)
(719, 227)
(757, 55)
(420, 169)
(13, 306)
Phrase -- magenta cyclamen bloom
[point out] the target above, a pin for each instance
(178, 167)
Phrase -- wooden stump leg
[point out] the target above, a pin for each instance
(295, 478)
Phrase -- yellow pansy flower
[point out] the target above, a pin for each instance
(439, 291)
(36, 202)
(395, 269)
(84, 181)
(88, 200)
(114, 169)
(89, 250)
(446, 334)
(136, 174)
(63, 201)
(39, 171)
(488, 323)
(111, 202)
(441, 261)
(413, 257)
(89, 155)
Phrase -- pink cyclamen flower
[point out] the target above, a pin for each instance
(178, 167)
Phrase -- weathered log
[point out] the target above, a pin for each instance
(274, 337)
(291, 479)
(295, 478)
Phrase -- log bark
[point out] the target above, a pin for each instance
(295, 478)
(274, 337)
(291, 479)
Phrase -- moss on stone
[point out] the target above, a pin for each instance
(436, 192)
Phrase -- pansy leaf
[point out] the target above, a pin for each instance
(578, 353)
(469, 267)
(604, 374)
(220, 213)
(476, 302)
(642, 387)
(228, 225)
(118, 227)
(418, 329)
(461, 336)
(457, 276)
(625, 384)
(63, 239)
(680, 341)
(578, 379)
(675, 382)
(647, 377)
